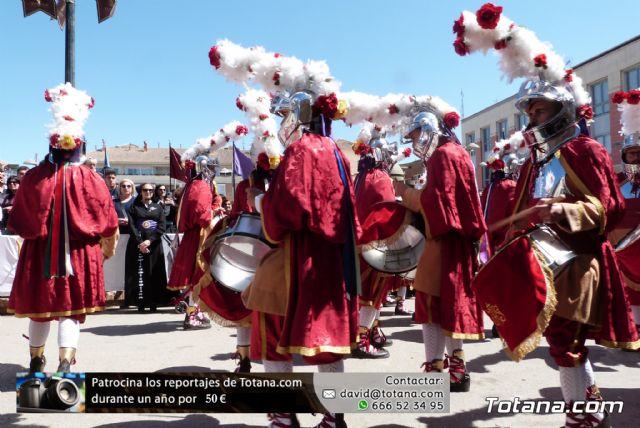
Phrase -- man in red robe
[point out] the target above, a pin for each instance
(372, 185)
(445, 304)
(194, 222)
(66, 216)
(591, 302)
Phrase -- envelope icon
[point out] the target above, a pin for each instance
(328, 393)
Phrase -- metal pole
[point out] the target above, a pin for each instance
(70, 44)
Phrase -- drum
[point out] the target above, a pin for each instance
(515, 288)
(237, 252)
(396, 242)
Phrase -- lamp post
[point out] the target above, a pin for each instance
(64, 11)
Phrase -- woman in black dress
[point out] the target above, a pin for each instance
(145, 275)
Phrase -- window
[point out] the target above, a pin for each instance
(522, 120)
(133, 171)
(146, 171)
(222, 189)
(501, 129)
(486, 139)
(632, 79)
(600, 97)
(486, 176)
(605, 140)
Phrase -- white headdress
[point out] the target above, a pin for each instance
(204, 146)
(256, 104)
(70, 108)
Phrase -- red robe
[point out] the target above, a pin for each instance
(629, 260)
(194, 221)
(500, 205)
(372, 186)
(304, 204)
(453, 217)
(240, 203)
(90, 216)
(591, 176)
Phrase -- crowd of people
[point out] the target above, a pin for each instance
(315, 292)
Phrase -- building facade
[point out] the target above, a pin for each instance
(617, 69)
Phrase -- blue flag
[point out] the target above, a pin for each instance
(242, 164)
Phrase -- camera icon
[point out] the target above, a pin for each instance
(329, 393)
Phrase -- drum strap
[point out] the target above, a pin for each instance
(350, 262)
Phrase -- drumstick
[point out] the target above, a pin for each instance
(522, 214)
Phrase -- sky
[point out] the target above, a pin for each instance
(148, 69)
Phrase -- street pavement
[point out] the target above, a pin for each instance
(126, 341)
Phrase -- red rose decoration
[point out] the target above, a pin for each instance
(53, 139)
(500, 44)
(568, 75)
(585, 111)
(393, 109)
(189, 164)
(68, 118)
(488, 16)
(327, 105)
(47, 96)
(540, 61)
(91, 103)
(363, 149)
(239, 104)
(507, 147)
(277, 55)
(276, 78)
(618, 97)
(266, 134)
(406, 152)
(263, 117)
(214, 57)
(263, 161)
(241, 130)
(496, 149)
(451, 119)
(63, 93)
(633, 96)
(460, 46)
(496, 164)
(458, 26)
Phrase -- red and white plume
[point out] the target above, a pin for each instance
(70, 108)
(255, 104)
(229, 132)
(522, 54)
(629, 107)
(271, 70)
(512, 148)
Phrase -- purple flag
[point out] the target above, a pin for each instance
(242, 164)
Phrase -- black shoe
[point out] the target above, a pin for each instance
(37, 364)
(140, 308)
(153, 308)
(244, 366)
(372, 353)
(462, 386)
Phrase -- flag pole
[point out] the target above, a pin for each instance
(233, 171)
(171, 189)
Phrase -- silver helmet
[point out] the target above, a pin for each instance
(430, 132)
(383, 152)
(296, 113)
(206, 167)
(537, 89)
(631, 164)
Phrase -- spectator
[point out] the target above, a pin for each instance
(3, 186)
(145, 275)
(166, 202)
(122, 204)
(13, 183)
(91, 163)
(226, 205)
(112, 184)
(22, 170)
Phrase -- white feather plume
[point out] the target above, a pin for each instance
(629, 117)
(70, 108)
(216, 141)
